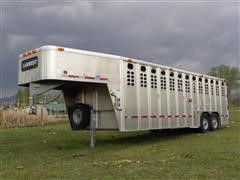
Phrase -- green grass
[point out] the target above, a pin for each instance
(56, 152)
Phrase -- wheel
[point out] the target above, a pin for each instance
(204, 123)
(214, 123)
(79, 116)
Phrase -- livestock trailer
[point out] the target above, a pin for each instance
(124, 93)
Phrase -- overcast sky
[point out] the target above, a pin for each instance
(191, 35)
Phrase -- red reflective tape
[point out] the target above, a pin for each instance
(134, 116)
(103, 78)
(164, 116)
(73, 76)
(89, 77)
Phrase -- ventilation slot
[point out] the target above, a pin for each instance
(154, 81)
(143, 80)
(130, 78)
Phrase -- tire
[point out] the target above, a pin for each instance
(204, 123)
(79, 116)
(214, 123)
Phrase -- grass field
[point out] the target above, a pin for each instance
(55, 152)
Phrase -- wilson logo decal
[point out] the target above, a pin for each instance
(30, 63)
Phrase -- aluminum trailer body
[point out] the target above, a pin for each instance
(127, 94)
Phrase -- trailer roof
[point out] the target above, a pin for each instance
(91, 53)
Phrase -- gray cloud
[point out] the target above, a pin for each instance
(193, 36)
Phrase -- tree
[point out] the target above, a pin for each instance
(231, 74)
(19, 98)
(26, 96)
(22, 97)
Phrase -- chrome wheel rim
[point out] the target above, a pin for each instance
(77, 116)
(205, 123)
(214, 122)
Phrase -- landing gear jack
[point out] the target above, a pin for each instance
(93, 129)
(32, 106)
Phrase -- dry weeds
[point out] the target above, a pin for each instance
(19, 118)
